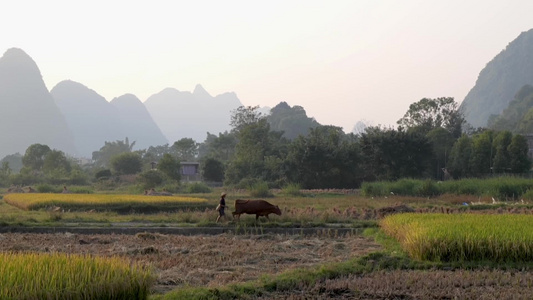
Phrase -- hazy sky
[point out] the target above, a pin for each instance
(343, 61)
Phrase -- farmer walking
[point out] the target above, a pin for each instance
(221, 206)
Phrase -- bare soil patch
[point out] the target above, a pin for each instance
(203, 260)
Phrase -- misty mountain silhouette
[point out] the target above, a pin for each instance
(29, 114)
(191, 115)
(500, 80)
(91, 119)
(77, 120)
(137, 123)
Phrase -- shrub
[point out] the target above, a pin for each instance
(78, 177)
(260, 189)
(374, 189)
(46, 188)
(127, 163)
(404, 187)
(197, 187)
(103, 174)
(528, 195)
(428, 188)
(292, 189)
(151, 179)
(247, 182)
(81, 190)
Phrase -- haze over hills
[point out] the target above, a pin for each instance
(191, 115)
(89, 116)
(28, 114)
(500, 80)
(137, 122)
(518, 116)
(77, 120)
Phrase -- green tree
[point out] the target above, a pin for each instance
(518, 152)
(170, 166)
(501, 160)
(428, 114)
(186, 149)
(244, 116)
(33, 159)
(460, 157)
(256, 146)
(221, 147)
(326, 158)
(126, 163)
(154, 153)
(482, 152)
(102, 158)
(292, 121)
(5, 172)
(213, 170)
(442, 142)
(56, 161)
(390, 154)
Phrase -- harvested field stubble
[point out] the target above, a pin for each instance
(495, 284)
(201, 260)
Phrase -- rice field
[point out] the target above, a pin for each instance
(121, 202)
(69, 276)
(463, 237)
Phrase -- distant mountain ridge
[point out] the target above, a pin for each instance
(77, 120)
(191, 115)
(137, 122)
(89, 116)
(500, 80)
(93, 120)
(28, 114)
(518, 116)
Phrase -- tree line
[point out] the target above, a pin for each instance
(431, 141)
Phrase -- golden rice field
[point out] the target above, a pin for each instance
(461, 237)
(70, 276)
(124, 202)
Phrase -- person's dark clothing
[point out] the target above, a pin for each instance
(222, 206)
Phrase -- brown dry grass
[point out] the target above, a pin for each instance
(493, 284)
(201, 260)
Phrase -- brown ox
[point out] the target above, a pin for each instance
(255, 207)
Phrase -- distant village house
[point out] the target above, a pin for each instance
(190, 171)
